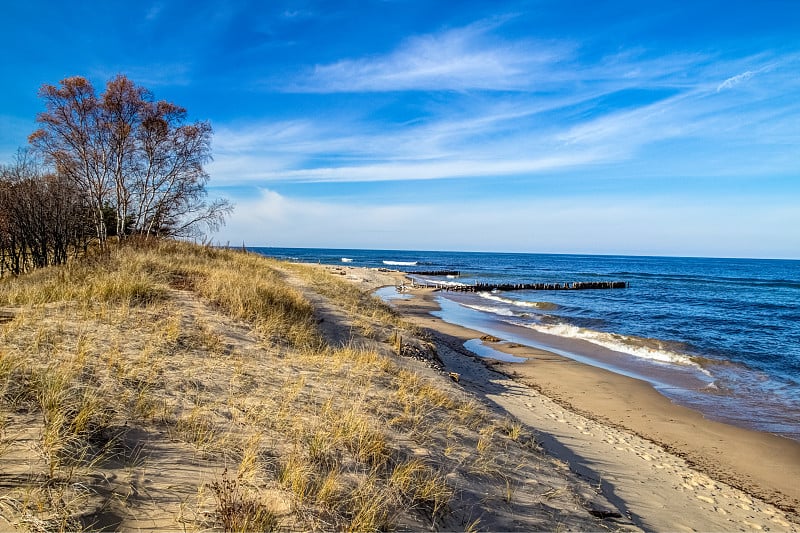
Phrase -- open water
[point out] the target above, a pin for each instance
(718, 335)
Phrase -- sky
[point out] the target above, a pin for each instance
(618, 127)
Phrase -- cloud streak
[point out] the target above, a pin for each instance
(457, 59)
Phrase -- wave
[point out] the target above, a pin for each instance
(400, 263)
(519, 303)
(346, 260)
(440, 282)
(501, 311)
(644, 348)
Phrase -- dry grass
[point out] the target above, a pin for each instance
(190, 386)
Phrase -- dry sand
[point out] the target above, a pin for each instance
(665, 466)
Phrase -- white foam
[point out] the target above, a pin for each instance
(495, 310)
(443, 283)
(518, 303)
(400, 263)
(616, 342)
(346, 260)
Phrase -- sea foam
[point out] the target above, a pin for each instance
(651, 349)
(518, 303)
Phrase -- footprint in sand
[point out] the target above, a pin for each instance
(556, 418)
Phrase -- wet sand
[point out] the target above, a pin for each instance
(667, 465)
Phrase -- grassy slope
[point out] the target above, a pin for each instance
(184, 387)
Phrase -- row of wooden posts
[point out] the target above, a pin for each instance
(488, 287)
(436, 273)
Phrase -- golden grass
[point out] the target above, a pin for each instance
(373, 317)
(185, 355)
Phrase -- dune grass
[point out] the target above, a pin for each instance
(190, 385)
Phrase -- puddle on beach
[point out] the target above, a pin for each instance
(387, 294)
(477, 347)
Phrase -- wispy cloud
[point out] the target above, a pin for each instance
(600, 111)
(735, 80)
(474, 57)
(150, 76)
(456, 59)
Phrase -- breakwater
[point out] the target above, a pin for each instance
(569, 286)
(435, 273)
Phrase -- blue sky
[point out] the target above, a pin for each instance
(668, 128)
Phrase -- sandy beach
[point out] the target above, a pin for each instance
(185, 388)
(665, 466)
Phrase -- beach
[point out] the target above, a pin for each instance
(179, 387)
(666, 466)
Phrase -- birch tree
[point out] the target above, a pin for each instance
(125, 150)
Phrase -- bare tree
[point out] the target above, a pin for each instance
(74, 139)
(123, 106)
(125, 151)
(170, 188)
(42, 217)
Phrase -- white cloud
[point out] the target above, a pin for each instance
(677, 226)
(430, 170)
(457, 59)
(733, 81)
(149, 76)
(527, 134)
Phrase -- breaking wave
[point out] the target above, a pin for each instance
(501, 311)
(651, 349)
(519, 303)
(400, 263)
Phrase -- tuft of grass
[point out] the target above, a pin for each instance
(296, 475)
(370, 507)
(198, 428)
(512, 428)
(421, 487)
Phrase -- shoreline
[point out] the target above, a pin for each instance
(760, 464)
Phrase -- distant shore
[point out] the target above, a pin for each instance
(658, 458)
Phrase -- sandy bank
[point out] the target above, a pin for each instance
(664, 465)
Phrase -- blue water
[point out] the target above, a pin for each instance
(719, 335)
